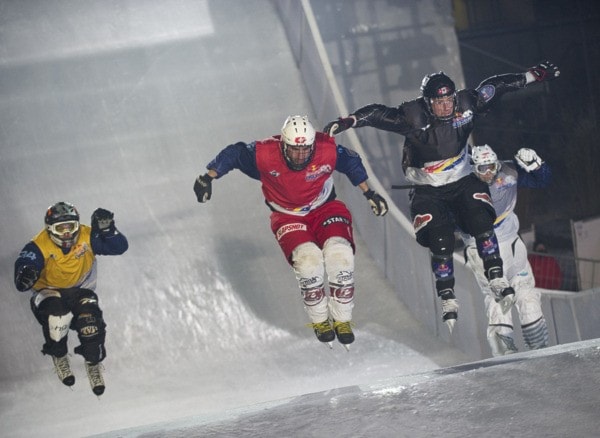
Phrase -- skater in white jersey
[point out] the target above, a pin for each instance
(503, 178)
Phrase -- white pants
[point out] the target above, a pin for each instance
(527, 299)
(310, 265)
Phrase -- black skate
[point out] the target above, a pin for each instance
(323, 331)
(94, 373)
(63, 370)
(343, 331)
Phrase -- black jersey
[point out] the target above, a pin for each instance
(435, 151)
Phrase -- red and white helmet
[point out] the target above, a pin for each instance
(297, 141)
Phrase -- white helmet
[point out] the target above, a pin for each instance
(485, 162)
(297, 141)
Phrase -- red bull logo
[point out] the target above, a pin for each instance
(442, 91)
(421, 220)
(483, 197)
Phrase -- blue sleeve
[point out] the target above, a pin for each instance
(30, 255)
(240, 156)
(113, 243)
(536, 179)
(350, 164)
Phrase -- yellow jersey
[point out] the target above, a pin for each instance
(77, 268)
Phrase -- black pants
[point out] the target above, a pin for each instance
(86, 320)
(437, 212)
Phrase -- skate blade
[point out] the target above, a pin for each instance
(329, 344)
(450, 323)
(346, 346)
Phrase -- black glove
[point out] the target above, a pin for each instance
(339, 125)
(102, 221)
(378, 204)
(203, 187)
(544, 71)
(26, 277)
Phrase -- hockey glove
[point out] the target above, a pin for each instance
(26, 278)
(102, 221)
(378, 204)
(528, 159)
(544, 71)
(339, 125)
(203, 187)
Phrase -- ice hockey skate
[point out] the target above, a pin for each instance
(324, 332)
(449, 308)
(343, 331)
(63, 370)
(94, 373)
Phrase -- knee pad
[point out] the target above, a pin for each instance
(89, 323)
(58, 326)
(441, 240)
(339, 262)
(43, 307)
(91, 330)
(307, 261)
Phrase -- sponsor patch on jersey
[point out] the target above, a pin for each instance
(483, 197)
(289, 228)
(505, 182)
(315, 172)
(80, 250)
(336, 220)
(274, 173)
(462, 119)
(487, 92)
(421, 220)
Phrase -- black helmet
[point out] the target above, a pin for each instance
(62, 224)
(437, 85)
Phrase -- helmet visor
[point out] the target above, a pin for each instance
(64, 229)
(484, 168)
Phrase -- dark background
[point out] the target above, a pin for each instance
(559, 119)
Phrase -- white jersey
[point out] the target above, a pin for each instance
(504, 197)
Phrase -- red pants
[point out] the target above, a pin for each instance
(329, 220)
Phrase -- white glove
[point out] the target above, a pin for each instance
(528, 159)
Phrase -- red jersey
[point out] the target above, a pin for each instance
(296, 192)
